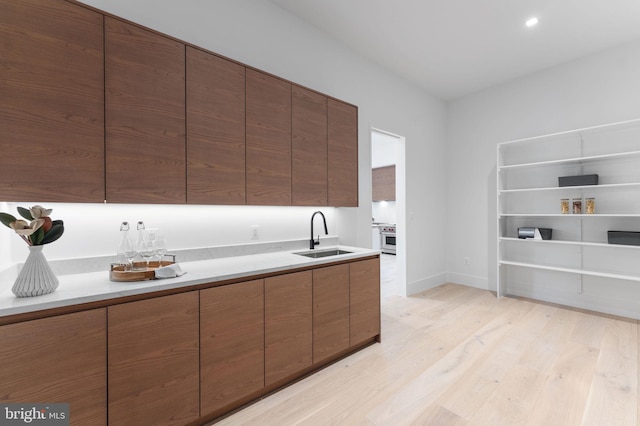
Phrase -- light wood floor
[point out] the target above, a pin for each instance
(458, 356)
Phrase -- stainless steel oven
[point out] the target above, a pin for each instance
(388, 239)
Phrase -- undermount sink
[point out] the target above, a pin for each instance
(322, 253)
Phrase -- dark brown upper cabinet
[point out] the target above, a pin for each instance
(268, 128)
(309, 147)
(384, 183)
(343, 154)
(51, 102)
(94, 108)
(145, 115)
(215, 129)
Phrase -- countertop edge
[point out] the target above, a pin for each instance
(270, 263)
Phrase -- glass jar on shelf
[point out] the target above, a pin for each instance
(590, 205)
(564, 205)
(577, 205)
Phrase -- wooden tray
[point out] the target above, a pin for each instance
(118, 273)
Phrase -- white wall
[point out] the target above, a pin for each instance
(384, 149)
(262, 35)
(93, 229)
(384, 211)
(594, 90)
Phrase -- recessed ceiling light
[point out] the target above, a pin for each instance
(531, 22)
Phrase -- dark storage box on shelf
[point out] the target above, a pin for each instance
(578, 180)
(624, 238)
(530, 232)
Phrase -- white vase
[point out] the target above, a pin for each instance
(36, 277)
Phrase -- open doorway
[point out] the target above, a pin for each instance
(388, 227)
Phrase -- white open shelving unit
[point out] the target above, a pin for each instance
(528, 194)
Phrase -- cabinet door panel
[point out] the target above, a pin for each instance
(215, 130)
(288, 325)
(364, 295)
(154, 361)
(343, 154)
(231, 343)
(330, 311)
(61, 359)
(309, 148)
(51, 102)
(384, 183)
(145, 116)
(268, 140)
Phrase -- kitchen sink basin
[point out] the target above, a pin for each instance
(322, 253)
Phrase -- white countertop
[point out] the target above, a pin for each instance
(95, 286)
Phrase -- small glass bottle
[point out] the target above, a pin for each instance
(121, 258)
(564, 206)
(139, 244)
(126, 249)
(590, 205)
(577, 206)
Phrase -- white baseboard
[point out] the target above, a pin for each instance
(597, 304)
(427, 283)
(613, 304)
(468, 280)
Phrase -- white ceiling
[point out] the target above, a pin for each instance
(455, 47)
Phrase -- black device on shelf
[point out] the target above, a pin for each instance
(624, 237)
(578, 180)
(530, 232)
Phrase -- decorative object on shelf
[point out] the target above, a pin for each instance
(590, 205)
(627, 238)
(564, 206)
(36, 277)
(577, 205)
(581, 180)
(534, 233)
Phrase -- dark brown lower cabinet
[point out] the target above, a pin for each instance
(60, 359)
(364, 300)
(231, 344)
(194, 356)
(330, 311)
(153, 361)
(288, 325)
